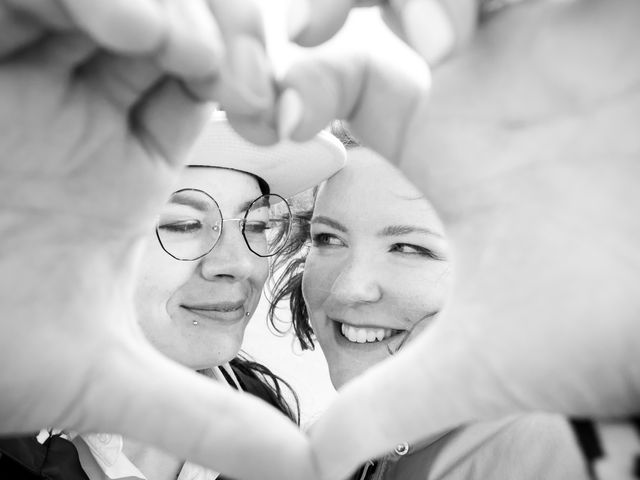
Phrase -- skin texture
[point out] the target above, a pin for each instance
(172, 294)
(527, 146)
(101, 100)
(358, 275)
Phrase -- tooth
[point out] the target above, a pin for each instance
(380, 334)
(362, 335)
(351, 334)
(343, 329)
(371, 335)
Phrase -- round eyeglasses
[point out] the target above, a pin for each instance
(191, 224)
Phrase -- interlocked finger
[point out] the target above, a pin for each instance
(61, 52)
(120, 79)
(358, 88)
(193, 46)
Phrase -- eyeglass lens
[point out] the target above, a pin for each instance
(191, 223)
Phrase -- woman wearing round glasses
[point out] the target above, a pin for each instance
(202, 274)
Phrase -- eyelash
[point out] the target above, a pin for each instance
(322, 240)
(418, 250)
(182, 226)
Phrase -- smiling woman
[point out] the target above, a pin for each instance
(372, 259)
(367, 270)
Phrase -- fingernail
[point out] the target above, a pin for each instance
(428, 29)
(298, 17)
(289, 113)
(252, 76)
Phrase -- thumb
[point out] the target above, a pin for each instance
(377, 101)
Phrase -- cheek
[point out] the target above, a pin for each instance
(159, 278)
(316, 281)
(423, 292)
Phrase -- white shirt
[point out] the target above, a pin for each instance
(107, 448)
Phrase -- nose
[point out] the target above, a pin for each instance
(230, 258)
(357, 281)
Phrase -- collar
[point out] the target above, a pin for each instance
(107, 448)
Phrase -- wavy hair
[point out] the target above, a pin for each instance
(287, 267)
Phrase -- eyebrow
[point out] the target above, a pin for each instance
(398, 230)
(191, 202)
(388, 231)
(202, 205)
(329, 222)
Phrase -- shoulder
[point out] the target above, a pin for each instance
(523, 447)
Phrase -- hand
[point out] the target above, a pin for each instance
(100, 101)
(433, 28)
(527, 144)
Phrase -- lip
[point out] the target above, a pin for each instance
(340, 338)
(219, 311)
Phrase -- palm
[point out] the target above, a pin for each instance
(90, 142)
(530, 160)
(85, 188)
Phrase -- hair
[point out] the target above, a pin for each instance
(288, 265)
(261, 381)
(276, 387)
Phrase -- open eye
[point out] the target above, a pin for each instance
(181, 226)
(412, 249)
(326, 240)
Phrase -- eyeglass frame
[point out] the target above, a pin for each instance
(240, 221)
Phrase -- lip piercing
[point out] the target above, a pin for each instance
(195, 322)
(248, 314)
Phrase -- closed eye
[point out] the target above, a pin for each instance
(255, 227)
(181, 226)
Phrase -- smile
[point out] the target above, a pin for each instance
(221, 311)
(366, 334)
(217, 307)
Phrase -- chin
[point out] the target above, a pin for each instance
(341, 377)
(211, 360)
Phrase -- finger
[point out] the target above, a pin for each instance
(311, 23)
(51, 14)
(182, 35)
(246, 84)
(58, 51)
(357, 88)
(260, 129)
(168, 119)
(17, 31)
(23, 23)
(198, 419)
(433, 28)
(193, 46)
(121, 80)
(138, 26)
(245, 88)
